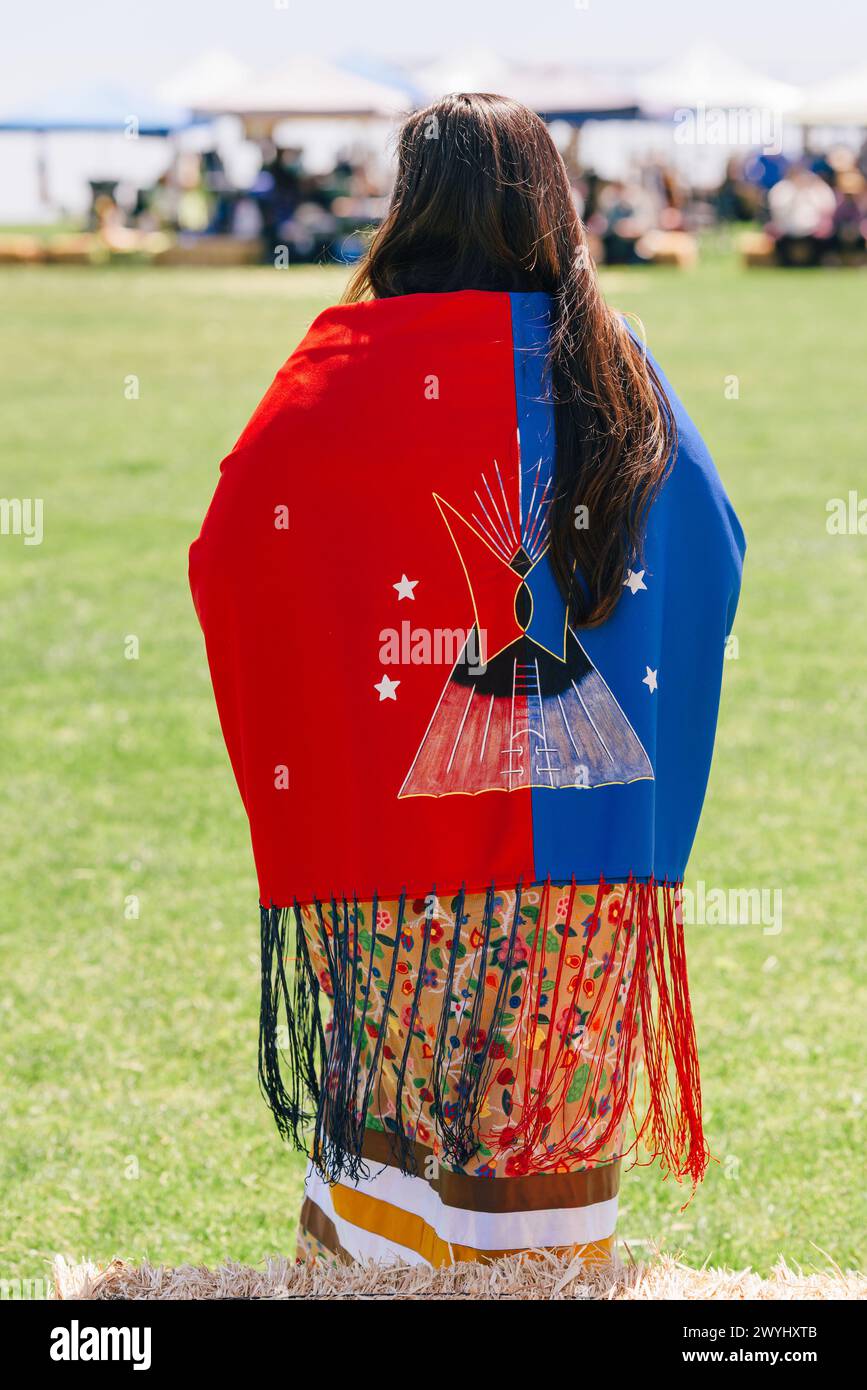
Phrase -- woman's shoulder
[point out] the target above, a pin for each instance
(357, 361)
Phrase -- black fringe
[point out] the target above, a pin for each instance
(290, 981)
(326, 1090)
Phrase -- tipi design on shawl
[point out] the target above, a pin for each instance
(524, 706)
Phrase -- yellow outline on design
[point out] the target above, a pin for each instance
(442, 504)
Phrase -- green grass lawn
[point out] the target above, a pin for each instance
(131, 1120)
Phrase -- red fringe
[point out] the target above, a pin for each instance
(657, 1004)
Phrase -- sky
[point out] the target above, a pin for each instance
(55, 44)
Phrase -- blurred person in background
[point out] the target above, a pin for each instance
(625, 212)
(850, 215)
(277, 190)
(739, 199)
(801, 207)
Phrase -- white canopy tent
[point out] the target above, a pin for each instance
(304, 88)
(840, 102)
(555, 90)
(204, 79)
(470, 70)
(707, 76)
(562, 93)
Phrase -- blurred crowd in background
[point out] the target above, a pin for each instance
(808, 211)
(307, 217)
(813, 209)
(226, 165)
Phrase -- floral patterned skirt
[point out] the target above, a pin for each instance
(552, 1068)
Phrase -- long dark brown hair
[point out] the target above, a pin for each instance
(482, 201)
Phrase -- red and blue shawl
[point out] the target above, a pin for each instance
(407, 707)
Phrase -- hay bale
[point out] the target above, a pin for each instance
(545, 1276)
(669, 248)
(756, 248)
(20, 250)
(210, 251)
(74, 248)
